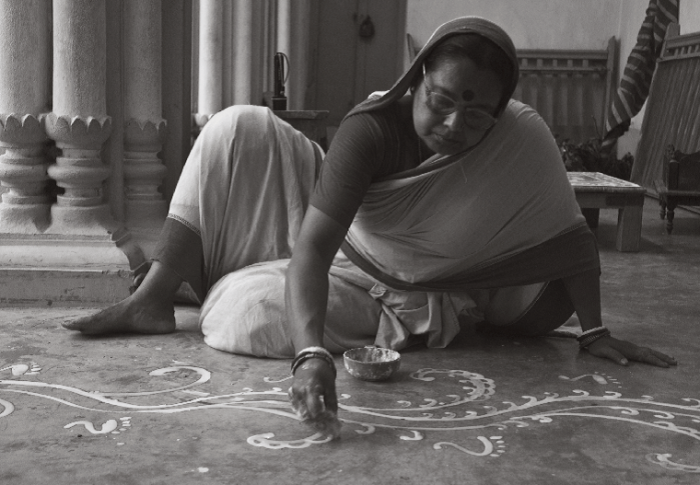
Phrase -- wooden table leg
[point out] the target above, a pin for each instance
(629, 228)
(592, 216)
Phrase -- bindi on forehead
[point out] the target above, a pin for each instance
(468, 95)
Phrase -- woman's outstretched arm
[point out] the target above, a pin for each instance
(584, 291)
(306, 297)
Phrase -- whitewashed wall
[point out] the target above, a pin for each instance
(533, 24)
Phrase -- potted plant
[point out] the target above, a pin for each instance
(589, 156)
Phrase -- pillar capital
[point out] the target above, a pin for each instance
(21, 129)
(87, 132)
(144, 135)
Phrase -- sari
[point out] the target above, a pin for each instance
(427, 246)
(244, 190)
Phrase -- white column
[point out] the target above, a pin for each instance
(293, 40)
(284, 26)
(266, 42)
(144, 129)
(84, 254)
(24, 82)
(79, 123)
(243, 29)
(211, 28)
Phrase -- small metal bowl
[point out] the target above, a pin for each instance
(371, 363)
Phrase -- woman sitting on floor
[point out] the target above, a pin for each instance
(442, 196)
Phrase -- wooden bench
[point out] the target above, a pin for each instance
(679, 184)
(595, 191)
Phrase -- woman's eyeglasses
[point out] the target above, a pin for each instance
(444, 105)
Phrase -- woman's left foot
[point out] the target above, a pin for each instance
(128, 316)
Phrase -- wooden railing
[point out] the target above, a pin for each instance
(570, 89)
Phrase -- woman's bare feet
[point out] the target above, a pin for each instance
(132, 315)
(148, 310)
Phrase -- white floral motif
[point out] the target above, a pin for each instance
(454, 413)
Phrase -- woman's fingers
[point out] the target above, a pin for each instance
(331, 400)
(314, 401)
(313, 390)
(313, 398)
(653, 357)
(296, 401)
(666, 358)
(306, 401)
(621, 351)
(600, 349)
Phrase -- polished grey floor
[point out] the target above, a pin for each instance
(169, 409)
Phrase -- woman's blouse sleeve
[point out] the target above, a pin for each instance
(356, 156)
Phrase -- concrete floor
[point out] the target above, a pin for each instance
(168, 409)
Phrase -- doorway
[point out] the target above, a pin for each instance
(360, 48)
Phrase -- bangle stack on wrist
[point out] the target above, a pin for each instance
(590, 336)
(313, 353)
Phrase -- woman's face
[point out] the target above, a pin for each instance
(453, 103)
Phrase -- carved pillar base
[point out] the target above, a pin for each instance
(144, 173)
(80, 210)
(83, 255)
(25, 205)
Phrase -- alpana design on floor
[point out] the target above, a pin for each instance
(462, 415)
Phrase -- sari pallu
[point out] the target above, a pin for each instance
(502, 214)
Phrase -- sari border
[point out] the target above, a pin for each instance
(570, 252)
(185, 223)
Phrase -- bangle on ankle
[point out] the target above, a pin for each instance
(313, 353)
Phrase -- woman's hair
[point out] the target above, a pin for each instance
(480, 50)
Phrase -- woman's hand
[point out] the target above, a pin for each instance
(621, 352)
(313, 396)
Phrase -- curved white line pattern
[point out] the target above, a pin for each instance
(663, 460)
(106, 428)
(265, 440)
(416, 436)
(488, 447)
(457, 412)
(7, 408)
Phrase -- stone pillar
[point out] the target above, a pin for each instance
(283, 43)
(24, 82)
(177, 26)
(210, 84)
(79, 123)
(266, 41)
(293, 40)
(243, 28)
(144, 128)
